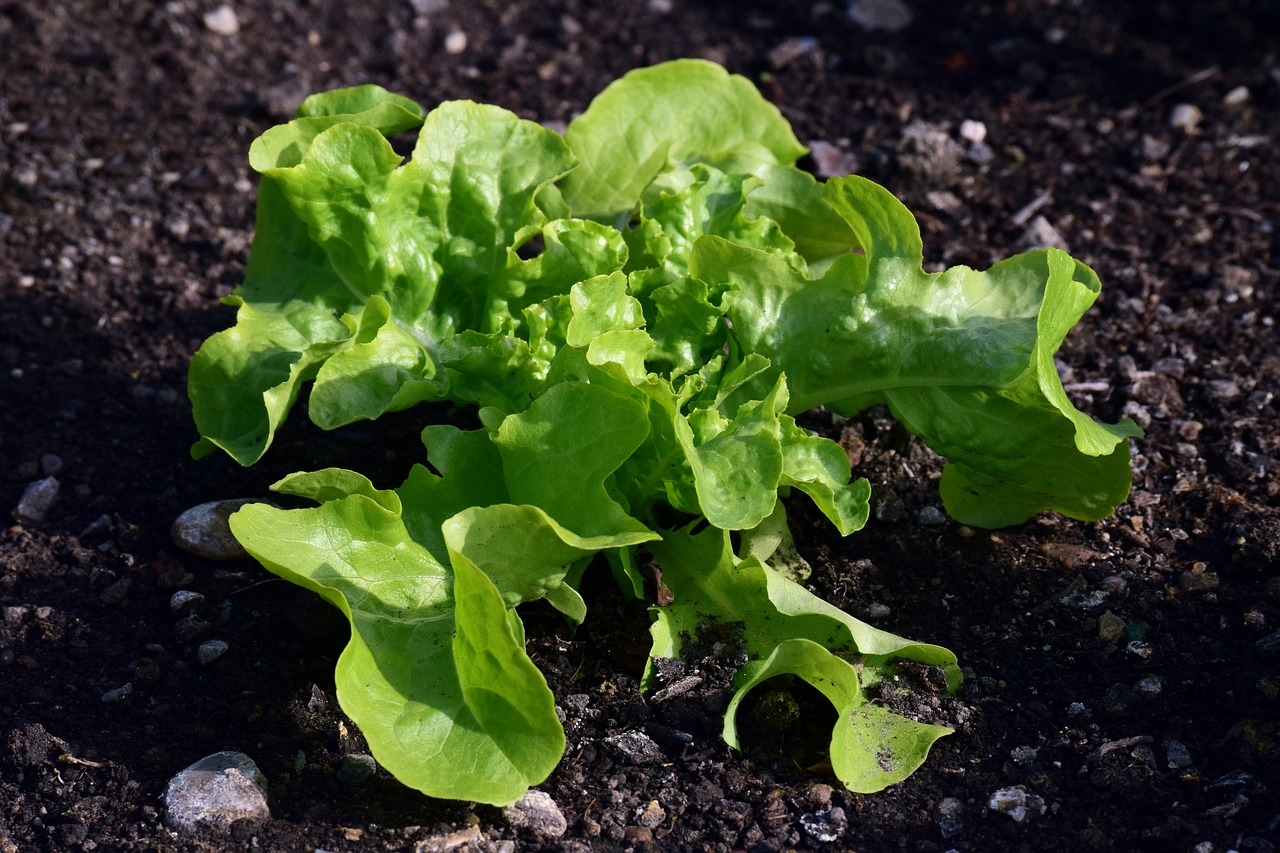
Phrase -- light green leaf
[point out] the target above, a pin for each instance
(678, 113)
(433, 675)
(963, 358)
(557, 455)
(786, 629)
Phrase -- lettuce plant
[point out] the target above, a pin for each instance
(638, 310)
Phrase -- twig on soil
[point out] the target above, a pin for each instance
(1199, 77)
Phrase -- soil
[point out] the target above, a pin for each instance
(1125, 673)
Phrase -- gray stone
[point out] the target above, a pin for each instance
(889, 15)
(216, 792)
(1018, 802)
(636, 747)
(826, 825)
(928, 151)
(536, 811)
(203, 530)
(37, 499)
(222, 20)
(356, 768)
(210, 651)
(831, 161)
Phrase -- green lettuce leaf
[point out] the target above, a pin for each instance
(674, 114)
(787, 630)
(435, 673)
(963, 358)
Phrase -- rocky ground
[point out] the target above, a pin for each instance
(1123, 676)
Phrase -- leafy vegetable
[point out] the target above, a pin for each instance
(639, 309)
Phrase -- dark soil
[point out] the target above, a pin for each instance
(1126, 672)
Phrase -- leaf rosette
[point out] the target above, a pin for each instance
(638, 310)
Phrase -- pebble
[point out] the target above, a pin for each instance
(51, 464)
(832, 161)
(1110, 627)
(211, 650)
(1177, 754)
(203, 531)
(1018, 802)
(931, 516)
(190, 627)
(1237, 97)
(927, 151)
(118, 694)
(1198, 579)
(536, 811)
(117, 592)
(222, 21)
(1023, 754)
(889, 15)
(877, 611)
(790, 50)
(217, 791)
(636, 747)
(651, 815)
(455, 42)
(37, 499)
(949, 811)
(1149, 686)
(185, 599)
(98, 527)
(1186, 118)
(357, 768)
(973, 131)
(826, 825)
(1041, 234)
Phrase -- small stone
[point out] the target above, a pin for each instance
(190, 627)
(185, 599)
(222, 21)
(831, 161)
(931, 516)
(877, 611)
(651, 815)
(1186, 118)
(203, 530)
(1237, 97)
(210, 651)
(1041, 234)
(1198, 579)
(927, 151)
(1117, 700)
(98, 527)
(1110, 627)
(790, 50)
(1149, 687)
(826, 825)
(356, 768)
(1023, 754)
(888, 15)
(118, 694)
(949, 811)
(216, 792)
(37, 499)
(455, 42)
(117, 592)
(1177, 755)
(536, 811)
(973, 131)
(636, 747)
(1018, 802)
(51, 464)
(1154, 149)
